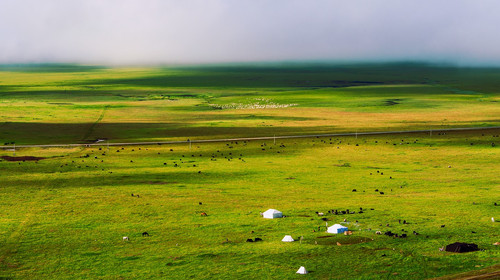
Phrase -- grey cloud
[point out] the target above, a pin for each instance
(200, 31)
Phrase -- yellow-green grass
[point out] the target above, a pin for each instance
(61, 104)
(64, 217)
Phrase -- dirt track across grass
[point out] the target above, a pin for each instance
(194, 141)
(492, 272)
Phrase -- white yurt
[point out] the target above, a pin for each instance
(337, 228)
(287, 238)
(302, 270)
(272, 214)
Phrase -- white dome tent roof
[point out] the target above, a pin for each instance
(337, 228)
(272, 214)
(287, 238)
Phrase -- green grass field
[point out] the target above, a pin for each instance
(86, 103)
(64, 216)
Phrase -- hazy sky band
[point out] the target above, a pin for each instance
(201, 31)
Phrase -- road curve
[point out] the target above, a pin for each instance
(103, 143)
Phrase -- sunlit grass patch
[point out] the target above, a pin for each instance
(78, 203)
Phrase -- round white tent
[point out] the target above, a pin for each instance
(287, 238)
(337, 228)
(272, 214)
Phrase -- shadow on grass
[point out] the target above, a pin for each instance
(284, 75)
(49, 133)
(69, 133)
(312, 75)
(49, 68)
(173, 178)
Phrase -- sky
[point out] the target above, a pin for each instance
(140, 32)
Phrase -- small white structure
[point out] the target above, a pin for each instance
(302, 270)
(272, 214)
(492, 219)
(287, 238)
(337, 228)
(125, 238)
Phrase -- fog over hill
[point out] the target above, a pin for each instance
(199, 31)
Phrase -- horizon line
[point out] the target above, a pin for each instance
(266, 63)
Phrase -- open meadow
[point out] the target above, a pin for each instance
(75, 104)
(64, 213)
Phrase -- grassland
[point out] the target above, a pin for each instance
(63, 217)
(84, 104)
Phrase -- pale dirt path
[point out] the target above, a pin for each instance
(188, 141)
(492, 272)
